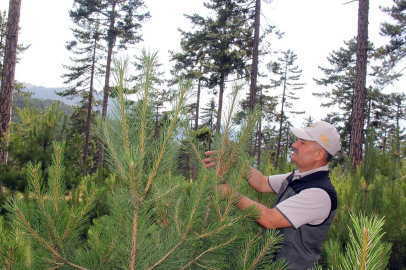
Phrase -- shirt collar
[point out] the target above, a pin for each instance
(297, 174)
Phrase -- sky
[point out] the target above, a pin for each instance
(313, 29)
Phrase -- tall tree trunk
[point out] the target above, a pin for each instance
(369, 112)
(259, 142)
(278, 151)
(220, 106)
(254, 66)
(111, 40)
(358, 109)
(253, 151)
(89, 106)
(7, 80)
(259, 134)
(198, 104)
(397, 139)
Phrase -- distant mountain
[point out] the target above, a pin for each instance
(44, 93)
(49, 93)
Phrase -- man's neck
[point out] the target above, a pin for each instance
(314, 167)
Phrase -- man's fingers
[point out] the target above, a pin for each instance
(207, 160)
(210, 165)
(208, 153)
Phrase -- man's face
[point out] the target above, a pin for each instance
(304, 154)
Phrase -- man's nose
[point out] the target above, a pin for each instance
(295, 144)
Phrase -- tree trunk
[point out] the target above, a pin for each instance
(359, 89)
(397, 138)
(7, 80)
(220, 106)
(259, 142)
(198, 104)
(89, 106)
(111, 40)
(254, 66)
(369, 113)
(278, 151)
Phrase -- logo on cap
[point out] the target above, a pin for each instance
(324, 139)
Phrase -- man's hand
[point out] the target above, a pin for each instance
(225, 190)
(209, 161)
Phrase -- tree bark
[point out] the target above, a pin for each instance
(220, 106)
(89, 105)
(7, 80)
(254, 66)
(358, 110)
(111, 40)
(259, 142)
(198, 104)
(278, 151)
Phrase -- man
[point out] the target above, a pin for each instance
(307, 201)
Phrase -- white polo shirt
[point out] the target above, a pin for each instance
(311, 206)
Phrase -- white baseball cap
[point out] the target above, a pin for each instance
(323, 133)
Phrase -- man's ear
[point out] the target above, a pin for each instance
(320, 154)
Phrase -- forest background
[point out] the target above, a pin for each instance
(146, 149)
(312, 31)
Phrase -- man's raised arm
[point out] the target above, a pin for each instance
(259, 182)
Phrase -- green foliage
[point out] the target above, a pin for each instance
(15, 251)
(12, 178)
(20, 47)
(42, 129)
(85, 67)
(119, 20)
(340, 77)
(20, 101)
(376, 188)
(36, 133)
(365, 250)
(159, 220)
(51, 228)
(31, 141)
(391, 53)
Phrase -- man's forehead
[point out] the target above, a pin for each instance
(310, 142)
(306, 140)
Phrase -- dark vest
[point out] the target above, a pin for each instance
(302, 246)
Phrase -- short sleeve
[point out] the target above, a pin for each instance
(275, 181)
(311, 206)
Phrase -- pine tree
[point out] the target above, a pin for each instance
(255, 53)
(7, 79)
(341, 76)
(155, 218)
(18, 87)
(288, 74)
(190, 64)
(371, 189)
(255, 49)
(308, 121)
(52, 225)
(393, 52)
(3, 31)
(266, 105)
(366, 249)
(158, 98)
(82, 74)
(358, 110)
(190, 228)
(397, 110)
(38, 131)
(120, 22)
(209, 114)
(227, 43)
